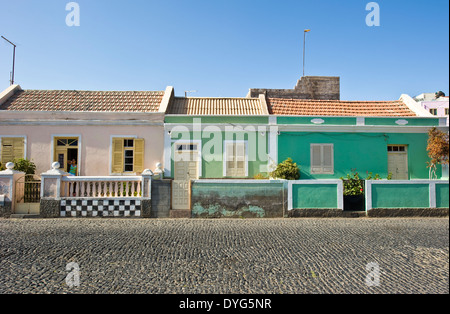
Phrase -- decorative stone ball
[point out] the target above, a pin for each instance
(10, 165)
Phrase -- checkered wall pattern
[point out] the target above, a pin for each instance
(101, 208)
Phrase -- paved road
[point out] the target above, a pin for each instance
(225, 256)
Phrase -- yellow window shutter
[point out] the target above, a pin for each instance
(139, 148)
(18, 148)
(12, 148)
(117, 155)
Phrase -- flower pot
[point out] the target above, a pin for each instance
(354, 202)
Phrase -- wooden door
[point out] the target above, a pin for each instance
(186, 169)
(398, 162)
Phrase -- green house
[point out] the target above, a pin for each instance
(330, 139)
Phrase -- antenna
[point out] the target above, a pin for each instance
(14, 61)
(189, 91)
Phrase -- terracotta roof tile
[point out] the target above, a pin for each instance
(84, 101)
(299, 107)
(215, 106)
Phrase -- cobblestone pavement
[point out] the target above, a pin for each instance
(271, 256)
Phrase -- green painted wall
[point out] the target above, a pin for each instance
(442, 195)
(314, 196)
(307, 120)
(411, 121)
(400, 196)
(365, 152)
(212, 155)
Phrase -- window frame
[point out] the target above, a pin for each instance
(322, 165)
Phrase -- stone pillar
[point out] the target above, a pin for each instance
(8, 179)
(51, 192)
(146, 202)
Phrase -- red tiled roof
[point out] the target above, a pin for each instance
(299, 107)
(216, 106)
(84, 101)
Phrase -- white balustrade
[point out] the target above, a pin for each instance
(101, 187)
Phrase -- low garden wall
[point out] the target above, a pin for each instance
(238, 199)
(407, 198)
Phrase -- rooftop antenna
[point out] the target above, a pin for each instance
(304, 48)
(189, 91)
(14, 61)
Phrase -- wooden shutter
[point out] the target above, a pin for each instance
(327, 159)
(235, 160)
(117, 155)
(12, 148)
(316, 159)
(240, 159)
(322, 160)
(139, 148)
(229, 159)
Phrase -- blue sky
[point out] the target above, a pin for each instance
(221, 48)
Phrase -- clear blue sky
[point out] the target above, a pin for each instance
(225, 47)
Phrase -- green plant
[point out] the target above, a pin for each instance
(2, 167)
(260, 176)
(353, 185)
(24, 165)
(287, 170)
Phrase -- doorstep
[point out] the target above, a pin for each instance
(23, 216)
(180, 213)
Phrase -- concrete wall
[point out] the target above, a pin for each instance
(253, 199)
(308, 87)
(161, 198)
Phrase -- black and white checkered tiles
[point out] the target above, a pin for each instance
(101, 208)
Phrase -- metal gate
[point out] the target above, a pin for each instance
(28, 195)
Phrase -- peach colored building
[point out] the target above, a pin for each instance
(106, 133)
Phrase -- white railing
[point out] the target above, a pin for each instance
(101, 187)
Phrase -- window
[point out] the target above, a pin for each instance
(446, 111)
(396, 149)
(12, 148)
(127, 155)
(187, 147)
(236, 161)
(433, 112)
(322, 158)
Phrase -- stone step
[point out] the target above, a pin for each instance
(24, 216)
(180, 213)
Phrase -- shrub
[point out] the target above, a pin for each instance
(353, 185)
(25, 165)
(287, 170)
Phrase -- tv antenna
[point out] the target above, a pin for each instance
(189, 91)
(14, 61)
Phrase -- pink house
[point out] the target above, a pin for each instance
(104, 132)
(437, 107)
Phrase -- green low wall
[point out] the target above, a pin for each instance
(400, 196)
(313, 196)
(442, 195)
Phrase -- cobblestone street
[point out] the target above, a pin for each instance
(268, 256)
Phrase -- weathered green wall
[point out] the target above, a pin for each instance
(442, 195)
(314, 196)
(212, 156)
(235, 200)
(400, 196)
(365, 152)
